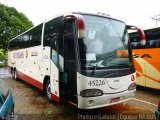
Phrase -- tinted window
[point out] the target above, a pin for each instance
(28, 39)
(149, 44)
(152, 38)
(51, 37)
(33, 37)
(19, 43)
(51, 30)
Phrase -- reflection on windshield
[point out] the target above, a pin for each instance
(104, 39)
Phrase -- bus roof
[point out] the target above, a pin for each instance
(69, 13)
(82, 13)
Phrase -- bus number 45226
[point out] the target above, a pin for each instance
(96, 82)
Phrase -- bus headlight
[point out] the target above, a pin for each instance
(91, 93)
(132, 86)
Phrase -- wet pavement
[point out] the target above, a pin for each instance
(4, 73)
(31, 104)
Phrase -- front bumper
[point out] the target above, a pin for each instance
(104, 100)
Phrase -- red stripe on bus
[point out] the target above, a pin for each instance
(35, 83)
(55, 98)
(149, 77)
(30, 80)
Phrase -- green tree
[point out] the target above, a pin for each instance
(12, 23)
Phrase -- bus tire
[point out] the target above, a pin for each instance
(48, 90)
(14, 74)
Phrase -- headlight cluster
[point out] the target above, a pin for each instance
(91, 93)
(132, 86)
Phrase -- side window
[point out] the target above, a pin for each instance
(33, 37)
(26, 40)
(50, 30)
(11, 46)
(152, 43)
(135, 42)
(152, 39)
(14, 44)
(149, 44)
(53, 45)
(158, 43)
(19, 41)
(51, 34)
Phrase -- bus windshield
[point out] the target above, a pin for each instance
(105, 37)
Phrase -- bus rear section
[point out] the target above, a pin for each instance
(84, 59)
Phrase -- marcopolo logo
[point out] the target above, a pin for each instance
(18, 55)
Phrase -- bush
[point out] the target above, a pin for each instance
(3, 58)
(3, 63)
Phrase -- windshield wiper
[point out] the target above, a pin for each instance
(95, 67)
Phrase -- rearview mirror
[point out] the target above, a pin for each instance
(140, 32)
(80, 24)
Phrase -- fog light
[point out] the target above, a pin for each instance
(91, 93)
(90, 102)
(132, 86)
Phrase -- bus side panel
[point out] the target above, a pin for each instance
(149, 62)
(30, 66)
(140, 71)
(153, 68)
(152, 76)
(53, 73)
(54, 81)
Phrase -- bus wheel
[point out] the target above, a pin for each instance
(48, 90)
(14, 74)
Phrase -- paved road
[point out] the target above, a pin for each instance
(30, 103)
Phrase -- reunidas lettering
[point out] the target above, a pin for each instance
(18, 55)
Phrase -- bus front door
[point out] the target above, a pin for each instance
(69, 86)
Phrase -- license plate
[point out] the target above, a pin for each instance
(115, 99)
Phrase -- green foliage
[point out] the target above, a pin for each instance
(3, 54)
(12, 23)
(3, 58)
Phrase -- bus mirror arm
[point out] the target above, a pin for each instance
(141, 33)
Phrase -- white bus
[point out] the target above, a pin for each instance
(83, 59)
